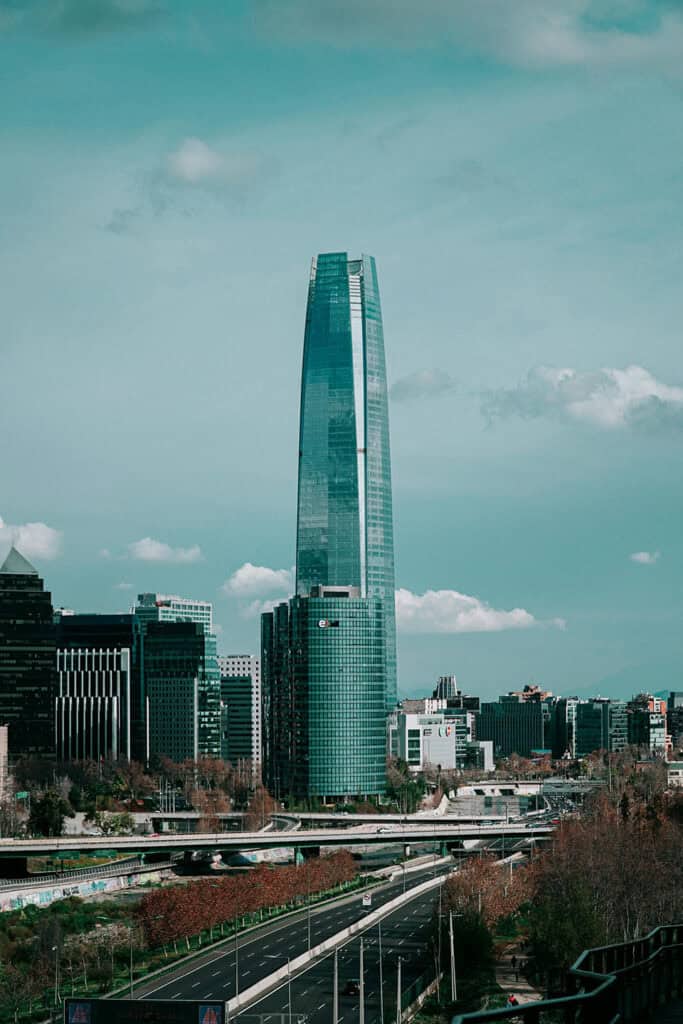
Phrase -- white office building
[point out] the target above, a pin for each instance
(172, 608)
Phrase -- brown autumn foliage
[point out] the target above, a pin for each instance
(488, 889)
(623, 866)
(179, 911)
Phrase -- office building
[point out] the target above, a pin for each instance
(171, 608)
(92, 720)
(647, 723)
(28, 656)
(324, 685)
(101, 703)
(4, 761)
(674, 719)
(513, 726)
(344, 521)
(241, 709)
(444, 741)
(183, 691)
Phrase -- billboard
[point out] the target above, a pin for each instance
(143, 1011)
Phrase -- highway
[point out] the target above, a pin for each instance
(262, 951)
(407, 933)
(447, 829)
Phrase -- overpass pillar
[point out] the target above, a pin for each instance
(13, 867)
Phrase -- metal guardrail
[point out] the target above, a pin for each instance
(125, 866)
(612, 984)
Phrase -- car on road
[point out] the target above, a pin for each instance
(352, 987)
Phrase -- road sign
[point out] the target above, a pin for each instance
(142, 1011)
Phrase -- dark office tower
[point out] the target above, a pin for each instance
(183, 688)
(100, 700)
(344, 524)
(28, 655)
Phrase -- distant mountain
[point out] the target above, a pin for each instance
(654, 677)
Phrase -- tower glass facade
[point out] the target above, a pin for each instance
(324, 663)
(28, 659)
(344, 520)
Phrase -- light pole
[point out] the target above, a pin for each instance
(381, 976)
(335, 994)
(398, 993)
(271, 956)
(454, 985)
(55, 950)
(361, 985)
(237, 963)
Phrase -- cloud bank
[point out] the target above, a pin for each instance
(607, 398)
(422, 384)
(527, 33)
(33, 540)
(258, 581)
(150, 550)
(448, 611)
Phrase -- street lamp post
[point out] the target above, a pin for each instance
(381, 976)
(237, 963)
(361, 985)
(454, 985)
(272, 956)
(398, 993)
(335, 994)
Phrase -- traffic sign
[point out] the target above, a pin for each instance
(142, 1011)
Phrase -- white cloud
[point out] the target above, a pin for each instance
(149, 550)
(255, 609)
(123, 586)
(258, 581)
(448, 611)
(33, 540)
(195, 162)
(531, 33)
(608, 398)
(645, 557)
(422, 384)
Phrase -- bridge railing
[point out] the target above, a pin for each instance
(611, 984)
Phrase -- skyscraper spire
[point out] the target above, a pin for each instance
(344, 522)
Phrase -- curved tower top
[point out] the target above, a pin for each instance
(344, 522)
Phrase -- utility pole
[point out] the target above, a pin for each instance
(361, 986)
(438, 955)
(398, 993)
(237, 963)
(130, 937)
(335, 993)
(454, 987)
(381, 977)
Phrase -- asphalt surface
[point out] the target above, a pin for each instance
(263, 951)
(407, 933)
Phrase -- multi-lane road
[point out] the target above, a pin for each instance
(260, 953)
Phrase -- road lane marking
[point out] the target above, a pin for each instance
(196, 984)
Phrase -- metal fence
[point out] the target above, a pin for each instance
(611, 984)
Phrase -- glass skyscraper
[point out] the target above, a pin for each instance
(344, 522)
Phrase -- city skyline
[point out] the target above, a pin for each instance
(521, 197)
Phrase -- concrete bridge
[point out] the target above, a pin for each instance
(13, 852)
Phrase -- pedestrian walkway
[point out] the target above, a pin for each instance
(510, 978)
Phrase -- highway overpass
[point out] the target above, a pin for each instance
(446, 831)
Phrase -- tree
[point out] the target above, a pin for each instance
(48, 812)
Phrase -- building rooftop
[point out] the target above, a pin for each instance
(16, 565)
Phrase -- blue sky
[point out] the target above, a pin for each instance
(516, 169)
